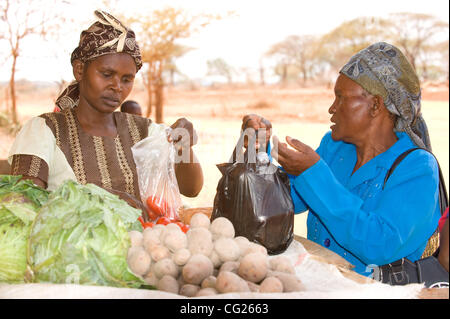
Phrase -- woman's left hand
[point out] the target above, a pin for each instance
(294, 161)
(183, 130)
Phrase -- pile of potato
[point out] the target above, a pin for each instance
(207, 260)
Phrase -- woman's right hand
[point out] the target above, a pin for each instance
(256, 122)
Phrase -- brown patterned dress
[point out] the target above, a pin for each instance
(104, 161)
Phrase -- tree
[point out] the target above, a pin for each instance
(295, 56)
(442, 48)
(221, 68)
(20, 20)
(171, 66)
(262, 72)
(350, 37)
(417, 35)
(158, 36)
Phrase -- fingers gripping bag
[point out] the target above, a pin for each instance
(154, 157)
(254, 194)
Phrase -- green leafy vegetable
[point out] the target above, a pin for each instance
(81, 236)
(19, 202)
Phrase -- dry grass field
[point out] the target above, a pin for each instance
(216, 114)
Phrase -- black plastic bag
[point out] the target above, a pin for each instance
(256, 198)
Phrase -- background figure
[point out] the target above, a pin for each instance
(131, 107)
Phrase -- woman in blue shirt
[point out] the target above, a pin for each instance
(376, 117)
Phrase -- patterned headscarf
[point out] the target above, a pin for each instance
(382, 69)
(106, 36)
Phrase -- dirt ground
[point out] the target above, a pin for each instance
(216, 114)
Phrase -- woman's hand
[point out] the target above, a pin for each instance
(187, 168)
(256, 123)
(294, 161)
(183, 131)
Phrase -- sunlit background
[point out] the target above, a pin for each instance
(241, 38)
(277, 58)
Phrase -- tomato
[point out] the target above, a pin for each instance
(163, 221)
(141, 220)
(180, 224)
(185, 228)
(157, 205)
(148, 225)
(151, 215)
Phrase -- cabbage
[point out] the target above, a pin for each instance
(81, 236)
(19, 203)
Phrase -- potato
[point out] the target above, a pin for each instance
(164, 267)
(189, 290)
(159, 228)
(209, 282)
(215, 259)
(255, 248)
(206, 292)
(147, 230)
(253, 267)
(281, 263)
(271, 284)
(139, 261)
(151, 279)
(290, 282)
(170, 228)
(159, 252)
(252, 286)
(150, 239)
(221, 227)
(180, 280)
(200, 220)
(181, 256)
(232, 266)
(197, 269)
(175, 240)
(193, 233)
(200, 241)
(136, 238)
(230, 282)
(133, 249)
(227, 249)
(169, 284)
(242, 243)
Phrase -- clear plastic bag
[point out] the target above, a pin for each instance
(155, 164)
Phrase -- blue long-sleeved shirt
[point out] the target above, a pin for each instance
(353, 216)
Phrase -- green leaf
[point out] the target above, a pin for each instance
(81, 236)
(19, 203)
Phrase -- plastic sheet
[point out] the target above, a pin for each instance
(321, 281)
(155, 164)
(256, 198)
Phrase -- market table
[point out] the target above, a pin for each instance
(323, 273)
(325, 255)
(345, 268)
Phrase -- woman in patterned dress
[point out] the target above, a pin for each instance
(87, 140)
